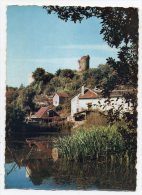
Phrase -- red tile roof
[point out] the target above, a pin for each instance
(63, 95)
(42, 112)
(88, 95)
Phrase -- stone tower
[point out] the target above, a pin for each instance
(84, 63)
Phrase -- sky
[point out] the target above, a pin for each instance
(37, 39)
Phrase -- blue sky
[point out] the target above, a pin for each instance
(36, 39)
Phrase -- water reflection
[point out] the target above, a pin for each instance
(39, 169)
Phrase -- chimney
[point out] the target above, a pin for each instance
(82, 90)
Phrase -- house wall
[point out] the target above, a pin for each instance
(78, 105)
(74, 105)
(83, 103)
(56, 100)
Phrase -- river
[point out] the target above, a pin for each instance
(32, 165)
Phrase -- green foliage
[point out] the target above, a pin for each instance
(68, 73)
(47, 77)
(96, 119)
(97, 76)
(58, 108)
(58, 72)
(25, 99)
(49, 89)
(14, 118)
(41, 75)
(91, 143)
(38, 74)
(56, 81)
(11, 94)
(130, 138)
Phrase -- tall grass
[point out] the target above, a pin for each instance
(89, 144)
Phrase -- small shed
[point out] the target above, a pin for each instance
(60, 98)
(46, 115)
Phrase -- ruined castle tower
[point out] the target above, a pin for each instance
(84, 63)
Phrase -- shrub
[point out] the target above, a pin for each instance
(58, 108)
(96, 118)
(89, 144)
(68, 73)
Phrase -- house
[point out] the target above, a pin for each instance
(93, 100)
(59, 98)
(81, 101)
(44, 114)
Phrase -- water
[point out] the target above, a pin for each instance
(35, 167)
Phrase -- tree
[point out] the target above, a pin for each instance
(14, 118)
(38, 74)
(11, 94)
(41, 75)
(58, 72)
(25, 100)
(47, 77)
(68, 73)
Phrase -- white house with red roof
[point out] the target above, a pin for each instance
(82, 100)
(60, 98)
(93, 99)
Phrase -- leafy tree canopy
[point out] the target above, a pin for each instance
(38, 74)
(68, 73)
(58, 72)
(25, 99)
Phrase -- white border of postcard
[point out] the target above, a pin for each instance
(3, 27)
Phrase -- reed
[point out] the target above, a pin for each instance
(95, 142)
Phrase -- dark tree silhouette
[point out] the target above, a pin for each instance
(38, 74)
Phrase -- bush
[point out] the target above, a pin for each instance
(97, 119)
(14, 119)
(58, 108)
(68, 73)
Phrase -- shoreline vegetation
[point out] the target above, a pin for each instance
(93, 143)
